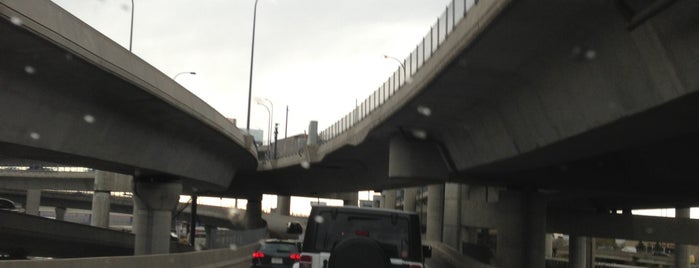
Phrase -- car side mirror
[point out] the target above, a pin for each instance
(294, 228)
(426, 251)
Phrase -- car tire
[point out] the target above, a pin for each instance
(358, 252)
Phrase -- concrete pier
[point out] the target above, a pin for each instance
(154, 201)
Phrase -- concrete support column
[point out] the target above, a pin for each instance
(33, 201)
(100, 199)
(350, 199)
(435, 212)
(452, 220)
(209, 236)
(154, 201)
(389, 196)
(284, 205)
(409, 196)
(578, 251)
(521, 229)
(549, 246)
(100, 209)
(60, 213)
(253, 212)
(682, 251)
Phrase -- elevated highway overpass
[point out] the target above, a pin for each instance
(587, 97)
(564, 104)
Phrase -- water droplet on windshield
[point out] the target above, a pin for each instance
(419, 134)
(16, 20)
(233, 247)
(89, 118)
(305, 165)
(319, 219)
(29, 69)
(424, 110)
(590, 54)
(34, 135)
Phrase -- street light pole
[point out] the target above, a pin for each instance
(131, 32)
(178, 74)
(286, 122)
(269, 120)
(271, 117)
(399, 62)
(252, 56)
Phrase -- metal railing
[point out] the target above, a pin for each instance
(453, 14)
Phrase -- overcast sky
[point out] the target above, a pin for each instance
(316, 56)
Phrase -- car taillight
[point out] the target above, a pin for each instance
(258, 255)
(306, 261)
(295, 257)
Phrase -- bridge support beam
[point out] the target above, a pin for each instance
(60, 213)
(682, 251)
(154, 201)
(283, 205)
(253, 212)
(452, 221)
(521, 230)
(579, 252)
(33, 201)
(409, 195)
(350, 199)
(389, 199)
(100, 200)
(435, 212)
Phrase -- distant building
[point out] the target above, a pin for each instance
(257, 135)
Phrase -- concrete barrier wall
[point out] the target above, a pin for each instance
(238, 258)
(226, 238)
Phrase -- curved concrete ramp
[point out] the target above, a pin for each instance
(47, 237)
(70, 95)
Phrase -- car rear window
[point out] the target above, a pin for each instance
(279, 247)
(391, 232)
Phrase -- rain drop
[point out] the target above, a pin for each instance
(233, 247)
(89, 118)
(424, 110)
(34, 135)
(319, 219)
(16, 21)
(420, 134)
(29, 69)
(590, 54)
(305, 165)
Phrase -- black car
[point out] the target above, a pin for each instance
(274, 253)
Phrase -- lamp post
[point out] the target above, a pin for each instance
(252, 56)
(131, 31)
(178, 74)
(271, 117)
(399, 62)
(269, 122)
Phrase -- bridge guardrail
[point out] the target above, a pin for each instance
(238, 257)
(453, 14)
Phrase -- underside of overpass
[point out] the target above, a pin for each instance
(570, 98)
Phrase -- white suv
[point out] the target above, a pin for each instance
(338, 237)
